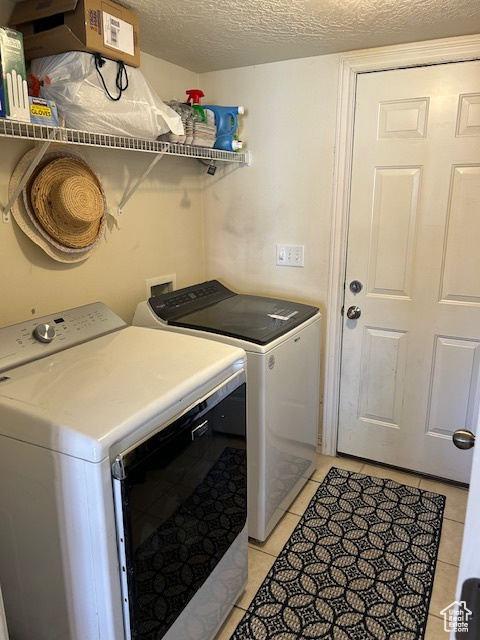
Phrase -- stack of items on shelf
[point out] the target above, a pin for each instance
(204, 135)
(209, 126)
(84, 59)
(220, 122)
(87, 69)
(197, 131)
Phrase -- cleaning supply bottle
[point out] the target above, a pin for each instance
(227, 143)
(194, 95)
(225, 119)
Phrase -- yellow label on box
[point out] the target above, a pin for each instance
(42, 112)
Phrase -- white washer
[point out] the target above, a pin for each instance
(282, 342)
(109, 435)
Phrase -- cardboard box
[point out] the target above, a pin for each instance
(43, 112)
(13, 78)
(50, 27)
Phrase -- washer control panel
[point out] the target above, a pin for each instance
(39, 337)
(174, 304)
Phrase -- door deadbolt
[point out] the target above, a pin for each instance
(463, 439)
(354, 312)
(356, 286)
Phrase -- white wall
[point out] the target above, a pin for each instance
(285, 195)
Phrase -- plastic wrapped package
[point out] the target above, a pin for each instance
(179, 108)
(73, 81)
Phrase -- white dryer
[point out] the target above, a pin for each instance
(122, 484)
(282, 342)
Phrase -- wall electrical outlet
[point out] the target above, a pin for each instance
(290, 255)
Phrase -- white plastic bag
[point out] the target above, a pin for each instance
(73, 82)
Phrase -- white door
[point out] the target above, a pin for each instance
(411, 361)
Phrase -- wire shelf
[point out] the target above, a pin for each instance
(39, 132)
(47, 135)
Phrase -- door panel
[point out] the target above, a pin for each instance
(381, 389)
(454, 384)
(394, 214)
(469, 115)
(410, 369)
(462, 257)
(402, 119)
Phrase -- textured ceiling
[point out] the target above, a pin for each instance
(208, 35)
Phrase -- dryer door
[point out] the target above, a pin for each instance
(181, 504)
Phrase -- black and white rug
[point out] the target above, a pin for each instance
(359, 565)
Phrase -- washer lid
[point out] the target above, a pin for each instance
(82, 400)
(252, 318)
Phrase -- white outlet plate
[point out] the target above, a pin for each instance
(290, 255)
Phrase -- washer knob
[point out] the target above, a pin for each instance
(44, 332)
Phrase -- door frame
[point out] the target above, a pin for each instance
(447, 50)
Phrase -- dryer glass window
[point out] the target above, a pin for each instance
(184, 504)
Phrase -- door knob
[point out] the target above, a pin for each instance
(354, 312)
(463, 439)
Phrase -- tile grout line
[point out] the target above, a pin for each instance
(267, 553)
(450, 564)
(453, 520)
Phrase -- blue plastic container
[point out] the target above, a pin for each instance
(225, 118)
(227, 143)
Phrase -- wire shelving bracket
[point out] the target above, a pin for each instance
(47, 134)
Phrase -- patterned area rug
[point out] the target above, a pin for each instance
(359, 565)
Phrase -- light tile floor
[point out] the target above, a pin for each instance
(262, 556)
